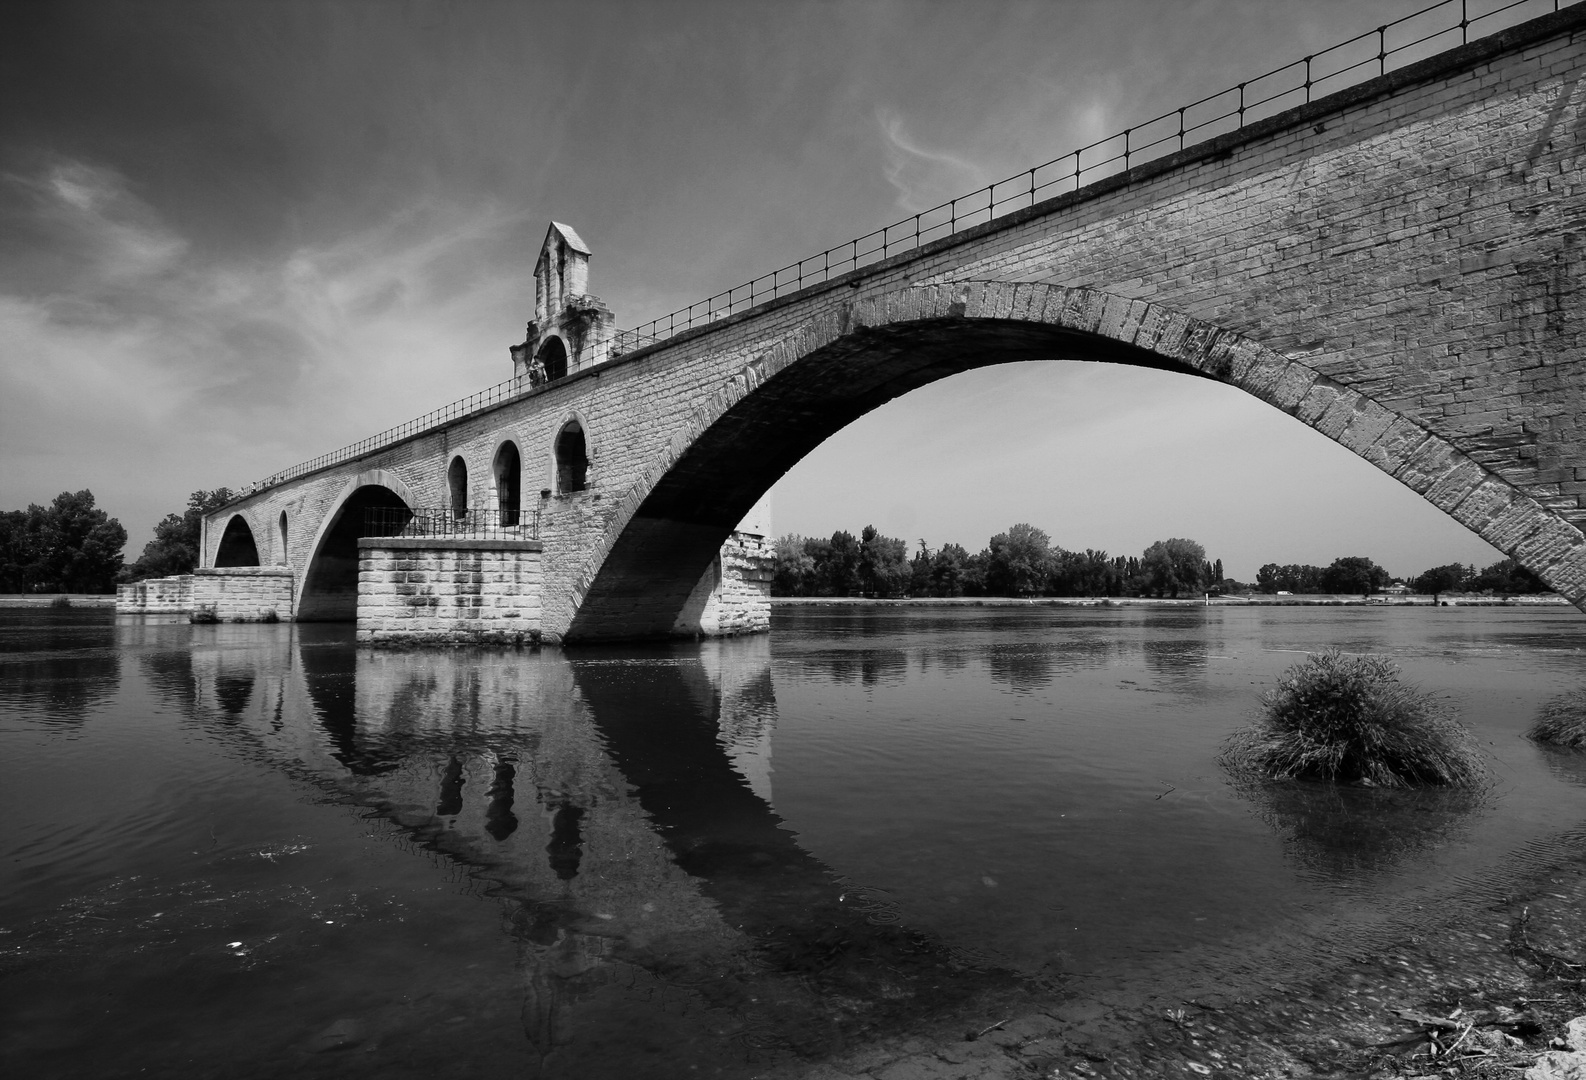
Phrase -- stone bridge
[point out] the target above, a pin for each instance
(1397, 265)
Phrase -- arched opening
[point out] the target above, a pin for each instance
(572, 459)
(281, 527)
(236, 544)
(508, 474)
(787, 401)
(553, 358)
(457, 485)
(330, 588)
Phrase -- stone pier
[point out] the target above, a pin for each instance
(428, 589)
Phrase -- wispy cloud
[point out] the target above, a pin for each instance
(923, 177)
(139, 343)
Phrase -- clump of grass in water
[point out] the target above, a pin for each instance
(1348, 719)
(1563, 722)
(61, 602)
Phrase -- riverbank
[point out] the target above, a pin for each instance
(1494, 971)
(1309, 600)
(44, 600)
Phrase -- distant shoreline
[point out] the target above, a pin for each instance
(1309, 600)
(44, 600)
(106, 600)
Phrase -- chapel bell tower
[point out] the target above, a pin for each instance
(571, 329)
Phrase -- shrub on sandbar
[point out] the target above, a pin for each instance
(1348, 719)
(1563, 722)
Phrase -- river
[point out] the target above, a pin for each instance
(262, 851)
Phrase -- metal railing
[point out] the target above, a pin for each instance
(446, 523)
(1365, 56)
(1362, 57)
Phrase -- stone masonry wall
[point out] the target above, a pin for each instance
(1409, 251)
(449, 591)
(734, 596)
(242, 594)
(156, 596)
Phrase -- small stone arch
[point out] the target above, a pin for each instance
(329, 585)
(570, 456)
(553, 358)
(457, 487)
(506, 483)
(282, 535)
(237, 546)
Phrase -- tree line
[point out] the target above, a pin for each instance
(1357, 574)
(1022, 562)
(68, 546)
(73, 546)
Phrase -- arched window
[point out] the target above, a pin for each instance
(553, 358)
(509, 483)
(572, 460)
(281, 528)
(457, 483)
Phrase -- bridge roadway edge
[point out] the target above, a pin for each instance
(1483, 480)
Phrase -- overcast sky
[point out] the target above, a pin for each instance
(234, 236)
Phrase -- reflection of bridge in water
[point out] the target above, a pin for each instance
(618, 804)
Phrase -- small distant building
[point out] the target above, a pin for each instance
(571, 329)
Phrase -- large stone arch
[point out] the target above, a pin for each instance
(862, 352)
(328, 590)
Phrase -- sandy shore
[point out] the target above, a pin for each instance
(1501, 957)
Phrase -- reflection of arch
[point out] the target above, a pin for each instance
(572, 459)
(281, 527)
(855, 355)
(507, 472)
(457, 485)
(330, 582)
(236, 544)
(553, 358)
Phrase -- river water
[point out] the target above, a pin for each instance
(258, 851)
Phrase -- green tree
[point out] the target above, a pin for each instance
(883, 564)
(794, 567)
(1293, 578)
(1173, 566)
(837, 565)
(950, 570)
(1354, 574)
(174, 549)
(1019, 561)
(1507, 577)
(1440, 579)
(69, 546)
